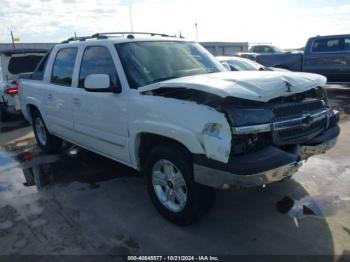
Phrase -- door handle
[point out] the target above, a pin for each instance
(49, 96)
(76, 101)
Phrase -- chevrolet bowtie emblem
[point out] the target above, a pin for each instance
(307, 120)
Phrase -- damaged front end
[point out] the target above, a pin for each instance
(270, 140)
(262, 141)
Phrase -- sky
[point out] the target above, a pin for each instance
(285, 23)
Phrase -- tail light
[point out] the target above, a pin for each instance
(13, 90)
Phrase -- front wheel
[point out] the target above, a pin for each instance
(47, 142)
(171, 186)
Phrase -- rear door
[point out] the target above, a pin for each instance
(329, 57)
(344, 70)
(100, 119)
(58, 94)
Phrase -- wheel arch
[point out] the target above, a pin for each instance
(145, 141)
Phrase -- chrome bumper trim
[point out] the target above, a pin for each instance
(222, 179)
(303, 121)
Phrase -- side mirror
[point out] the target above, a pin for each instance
(100, 83)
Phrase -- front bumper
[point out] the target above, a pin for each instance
(223, 180)
(268, 165)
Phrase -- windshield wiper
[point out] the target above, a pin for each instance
(159, 80)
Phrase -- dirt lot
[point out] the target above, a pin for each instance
(95, 206)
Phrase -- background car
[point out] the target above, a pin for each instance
(12, 63)
(243, 64)
(325, 55)
(265, 49)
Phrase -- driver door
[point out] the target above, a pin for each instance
(100, 118)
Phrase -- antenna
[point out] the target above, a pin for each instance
(13, 40)
(130, 16)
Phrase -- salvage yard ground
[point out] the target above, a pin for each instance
(93, 205)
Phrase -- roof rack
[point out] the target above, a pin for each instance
(130, 34)
(115, 34)
(76, 38)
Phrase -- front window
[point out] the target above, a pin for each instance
(97, 60)
(150, 61)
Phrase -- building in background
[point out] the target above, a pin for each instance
(9, 46)
(225, 48)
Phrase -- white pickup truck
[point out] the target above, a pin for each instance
(166, 107)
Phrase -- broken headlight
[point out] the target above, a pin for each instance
(212, 129)
(249, 116)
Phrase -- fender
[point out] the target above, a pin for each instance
(38, 104)
(214, 146)
(184, 136)
(31, 101)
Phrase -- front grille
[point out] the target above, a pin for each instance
(298, 134)
(289, 110)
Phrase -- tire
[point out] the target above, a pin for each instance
(188, 201)
(47, 142)
(4, 115)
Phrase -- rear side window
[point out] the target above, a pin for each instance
(327, 45)
(23, 63)
(97, 60)
(347, 44)
(62, 71)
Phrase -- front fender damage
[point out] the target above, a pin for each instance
(215, 133)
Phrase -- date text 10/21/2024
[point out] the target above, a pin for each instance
(173, 258)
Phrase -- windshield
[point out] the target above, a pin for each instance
(241, 65)
(277, 49)
(151, 61)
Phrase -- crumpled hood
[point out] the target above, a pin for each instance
(252, 85)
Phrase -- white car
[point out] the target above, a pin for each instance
(168, 108)
(12, 63)
(235, 63)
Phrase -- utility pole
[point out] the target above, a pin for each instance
(196, 31)
(13, 41)
(130, 15)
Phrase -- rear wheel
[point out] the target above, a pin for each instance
(171, 186)
(4, 115)
(47, 142)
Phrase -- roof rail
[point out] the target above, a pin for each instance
(114, 34)
(76, 38)
(129, 34)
